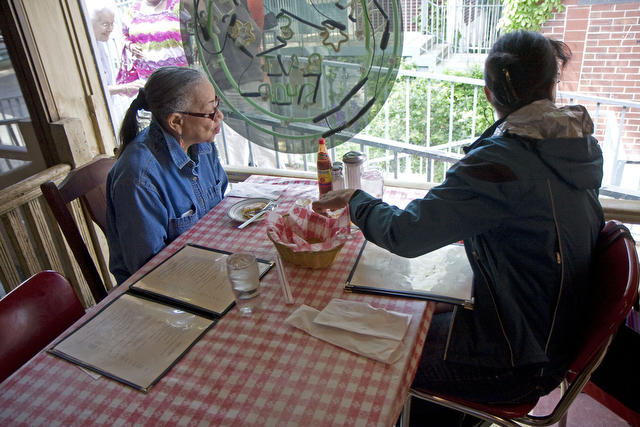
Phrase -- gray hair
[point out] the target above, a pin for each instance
(97, 6)
(171, 89)
(168, 90)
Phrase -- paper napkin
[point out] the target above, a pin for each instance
(362, 318)
(357, 327)
(246, 189)
(304, 230)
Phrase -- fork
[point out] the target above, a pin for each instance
(269, 206)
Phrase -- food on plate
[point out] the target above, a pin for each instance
(250, 210)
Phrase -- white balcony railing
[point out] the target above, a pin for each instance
(605, 112)
(609, 115)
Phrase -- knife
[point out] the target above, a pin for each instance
(268, 207)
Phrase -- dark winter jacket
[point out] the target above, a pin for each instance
(525, 201)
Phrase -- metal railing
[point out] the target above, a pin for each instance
(466, 27)
(425, 153)
(615, 122)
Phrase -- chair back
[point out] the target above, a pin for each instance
(32, 316)
(613, 291)
(87, 183)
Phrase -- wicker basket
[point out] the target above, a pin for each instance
(307, 259)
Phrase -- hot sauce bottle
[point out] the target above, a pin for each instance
(324, 168)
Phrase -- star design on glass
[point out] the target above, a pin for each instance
(327, 32)
(243, 34)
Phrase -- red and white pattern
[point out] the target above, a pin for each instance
(245, 371)
(299, 225)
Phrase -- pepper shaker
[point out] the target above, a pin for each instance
(337, 179)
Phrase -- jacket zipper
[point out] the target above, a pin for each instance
(486, 279)
(559, 260)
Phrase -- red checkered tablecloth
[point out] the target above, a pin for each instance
(245, 371)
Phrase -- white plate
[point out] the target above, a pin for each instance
(235, 211)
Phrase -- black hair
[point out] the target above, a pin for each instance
(168, 90)
(521, 67)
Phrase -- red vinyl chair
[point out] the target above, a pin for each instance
(613, 291)
(32, 316)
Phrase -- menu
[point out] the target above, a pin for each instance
(442, 275)
(194, 278)
(141, 334)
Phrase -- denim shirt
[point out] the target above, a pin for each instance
(155, 192)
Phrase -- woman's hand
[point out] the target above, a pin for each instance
(128, 89)
(332, 201)
(133, 87)
(136, 50)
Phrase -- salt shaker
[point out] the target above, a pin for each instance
(353, 168)
(337, 179)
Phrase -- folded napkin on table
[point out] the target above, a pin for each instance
(356, 326)
(304, 230)
(247, 189)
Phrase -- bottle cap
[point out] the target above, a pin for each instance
(354, 158)
(337, 166)
(321, 141)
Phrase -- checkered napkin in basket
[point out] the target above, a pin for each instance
(302, 224)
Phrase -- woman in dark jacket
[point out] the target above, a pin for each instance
(525, 201)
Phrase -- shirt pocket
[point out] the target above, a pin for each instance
(177, 226)
(214, 194)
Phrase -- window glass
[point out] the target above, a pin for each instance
(20, 154)
(104, 21)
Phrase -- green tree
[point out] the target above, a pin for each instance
(441, 92)
(528, 15)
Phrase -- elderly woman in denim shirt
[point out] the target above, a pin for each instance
(168, 175)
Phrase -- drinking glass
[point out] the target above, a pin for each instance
(372, 182)
(242, 270)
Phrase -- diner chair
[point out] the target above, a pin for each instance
(612, 292)
(87, 183)
(34, 314)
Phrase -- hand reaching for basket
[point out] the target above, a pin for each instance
(332, 201)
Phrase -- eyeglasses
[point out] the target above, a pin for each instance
(106, 25)
(212, 116)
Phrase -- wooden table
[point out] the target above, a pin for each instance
(254, 370)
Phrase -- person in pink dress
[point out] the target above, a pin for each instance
(152, 34)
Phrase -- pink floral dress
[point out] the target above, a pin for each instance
(158, 35)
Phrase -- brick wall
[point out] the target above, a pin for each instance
(410, 12)
(605, 40)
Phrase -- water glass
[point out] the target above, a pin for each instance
(372, 182)
(242, 270)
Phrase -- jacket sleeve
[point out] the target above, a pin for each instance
(467, 203)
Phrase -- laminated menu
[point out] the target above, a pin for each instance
(141, 334)
(442, 275)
